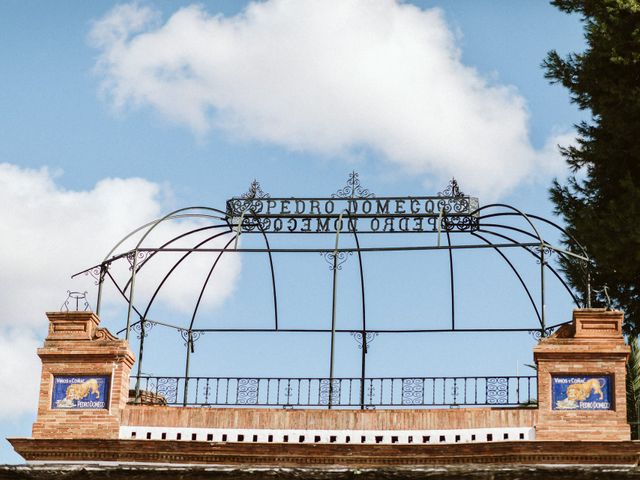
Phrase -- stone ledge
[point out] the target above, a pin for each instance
(291, 455)
(201, 472)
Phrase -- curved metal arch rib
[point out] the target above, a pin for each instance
(168, 216)
(166, 244)
(151, 225)
(515, 271)
(548, 222)
(516, 211)
(182, 258)
(273, 273)
(206, 282)
(553, 270)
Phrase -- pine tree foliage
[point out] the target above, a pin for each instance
(633, 388)
(600, 201)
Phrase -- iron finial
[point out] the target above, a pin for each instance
(76, 299)
(255, 191)
(452, 190)
(353, 189)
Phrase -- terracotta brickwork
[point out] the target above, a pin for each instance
(592, 345)
(76, 345)
(331, 455)
(263, 418)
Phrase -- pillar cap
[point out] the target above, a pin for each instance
(72, 325)
(598, 323)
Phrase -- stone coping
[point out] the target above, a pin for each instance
(301, 455)
(453, 472)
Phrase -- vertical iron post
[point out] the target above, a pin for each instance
(131, 290)
(451, 284)
(365, 350)
(542, 265)
(189, 343)
(333, 310)
(100, 280)
(139, 368)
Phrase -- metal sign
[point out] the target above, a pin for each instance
(581, 392)
(80, 392)
(354, 209)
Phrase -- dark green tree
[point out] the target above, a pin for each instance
(633, 388)
(600, 202)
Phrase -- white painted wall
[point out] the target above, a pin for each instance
(402, 437)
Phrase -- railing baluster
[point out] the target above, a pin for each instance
(444, 391)
(475, 391)
(465, 391)
(390, 392)
(433, 399)
(268, 388)
(278, 396)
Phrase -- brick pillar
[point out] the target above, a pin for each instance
(85, 379)
(581, 379)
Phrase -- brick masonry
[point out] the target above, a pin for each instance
(592, 345)
(328, 455)
(281, 419)
(76, 345)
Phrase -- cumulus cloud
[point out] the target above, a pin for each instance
(19, 372)
(324, 76)
(49, 233)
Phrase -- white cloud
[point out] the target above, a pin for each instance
(551, 161)
(49, 233)
(326, 76)
(19, 373)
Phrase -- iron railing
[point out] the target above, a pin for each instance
(343, 392)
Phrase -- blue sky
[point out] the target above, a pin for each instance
(102, 131)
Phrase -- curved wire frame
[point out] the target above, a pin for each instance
(139, 256)
(489, 227)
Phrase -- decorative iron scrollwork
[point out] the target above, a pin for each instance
(168, 388)
(412, 391)
(324, 392)
(255, 191)
(140, 257)
(353, 189)
(455, 391)
(368, 338)
(206, 390)
(541, 333)
(190, 337)
(288, 391)
(605, 292)
(545, 250)
(247, 391)
(77, 298)
(453, 201)
(98, 273)
(371, 391)
(245, 204)
(142, 328)
(340, 258)
(497, 390)
(452, 190)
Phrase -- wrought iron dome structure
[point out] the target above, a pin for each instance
(355, 212)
